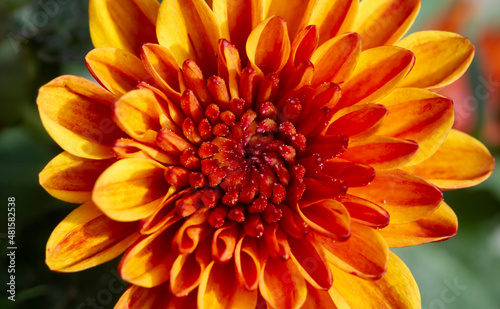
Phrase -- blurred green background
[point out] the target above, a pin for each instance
(40, 40)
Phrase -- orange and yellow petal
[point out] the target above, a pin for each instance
(332, 17)
(365, 254)
(117, 70)
(381, 152)
(384, 22)
(187, 270)
(86, 238)
(115, 24)
(189, 30)
(282, 285)
(138, 114)
(77, 115)
(152, 298)
(335, 59)
(377, 71)
(396, 289)
(148, 262)
(162, 66)
(410, 198)
(70, 178)
(237, 20)
(441, 58)
(460, 162)
(309, 257)
(438, 226)
(219, 289)
(249, 257)
(130, 189)
(357, 122)
(270, 32)
(418, 115)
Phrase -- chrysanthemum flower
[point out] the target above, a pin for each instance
(245, 154)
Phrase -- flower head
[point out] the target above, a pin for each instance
(255, 153)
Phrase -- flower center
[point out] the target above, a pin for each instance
(246, 167)
(243, 154)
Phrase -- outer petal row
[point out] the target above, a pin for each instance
(70, 178)
(123, 24)
(130, 189)
(441, 58)
(190, 30)
(460, 162)
(410, 198)
(77, 115)
(384, 22)
(396, 289)
(418, 115)
(86, 238)
(439, 225)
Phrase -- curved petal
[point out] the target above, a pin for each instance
(377, 72)
(276, 241)
(338, 299)
(117, 70)
(219, 289)
(129, 148)
(224, 242)
(332, 17)
(249, 262)
(230, 67)
(329, 218)
(268, 45)
(381, 152)
(193, 229)
(418, 115)
(460, 162)
(364, 254)
(335, 59)
(77, 115)
(282, 285)
(153, 298)
(384, 22)
(406, 197)
(189, 29)
(291, 11)
(147, 263)
(365, 212)
(438, 226)
(352, 174)
(321, 189)
(440, 58)
(70, 178)
(125, 25)
(396, 289)
(237, 18)
(327, 147)
(162, 66)
(86, 238)
(311, 261)
(358, 121)
(185, 274)
(166, 214)
(187, 270)
(137, 113)
(130, 189)
(317, 298)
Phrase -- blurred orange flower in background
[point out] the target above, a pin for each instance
(459, 17)
(455, 18)
(244, 154)
(490, 64)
